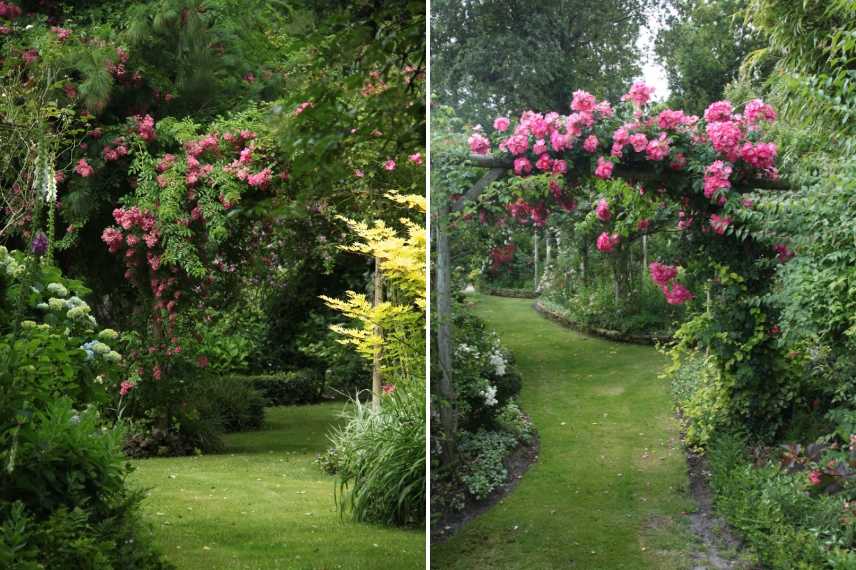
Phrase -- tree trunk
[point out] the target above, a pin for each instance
(377, 376)
(644, 260)
(448, 421)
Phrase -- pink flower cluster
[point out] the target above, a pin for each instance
(639, 94)
(9, 11)
(83, 168)
(302, 107)
(602, 211)
(677, 294)
(662, 274)
(145, 127)
(719, 223)
(604, 168)
(716, 178)
(607, 242)
(126, 387)
(480, 145)
(757, 111)
(114, 151)
(62, 34)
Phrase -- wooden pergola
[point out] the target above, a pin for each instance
(497, 168)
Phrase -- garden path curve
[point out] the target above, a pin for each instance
(610, 488)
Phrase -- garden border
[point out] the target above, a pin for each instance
(594, 331)
(513, 293)
(517, 464)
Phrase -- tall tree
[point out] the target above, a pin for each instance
(702, 45)
(511, 55)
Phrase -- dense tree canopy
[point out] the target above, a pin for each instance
(492, 58)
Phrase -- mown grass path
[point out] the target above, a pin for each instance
(610, 487)
(263, 504)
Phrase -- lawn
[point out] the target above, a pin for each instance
(263, 504)
(610, 488)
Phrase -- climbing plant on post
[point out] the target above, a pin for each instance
(698, 176)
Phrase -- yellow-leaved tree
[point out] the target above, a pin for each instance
(392, 330)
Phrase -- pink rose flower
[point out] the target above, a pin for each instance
(604, 168)
(606, 242)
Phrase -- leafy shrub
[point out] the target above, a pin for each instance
(287, 388)
(512, 420)
(702, 402)
(484, 378)
(194, 428)
(64, 502)
(787, 526)
(381, 460)
(239, 405)
(482, 457)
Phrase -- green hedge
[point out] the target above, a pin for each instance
(287, 388)
(515, 293)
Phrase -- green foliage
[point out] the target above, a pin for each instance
(482, 456)
(702, 46)
(813, 47)
(380, 460)
(240, 406)
(784, 525)
(64, 499)
(485, 62)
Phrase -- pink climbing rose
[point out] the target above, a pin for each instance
(677, 295)
(604, 168)
(719, 223)
(815, 477)
(756, 111)
(522, 166)
(83, 168)
(146, 127)
(583, 102)
(389, 165)
(415, 158)
(639, 94)
(718, 111)
(662, 274)
(479, 144)
(590, 144)
(501, 124)
(602, 211)
(606, 242)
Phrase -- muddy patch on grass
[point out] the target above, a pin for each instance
(720, 546)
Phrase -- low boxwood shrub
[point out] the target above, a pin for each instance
(287, 388)
(239, 405)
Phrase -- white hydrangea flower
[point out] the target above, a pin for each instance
(57, 290)
(108, 334)
(56, 304)
(78, 312)
(113, 356)
(489, 395)
(498, 362)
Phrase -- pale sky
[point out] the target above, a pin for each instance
(652, 72)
